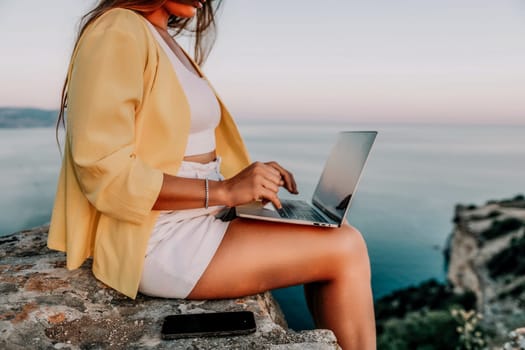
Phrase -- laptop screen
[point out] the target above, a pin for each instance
(342, 171)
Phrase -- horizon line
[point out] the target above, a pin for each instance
(335, 118)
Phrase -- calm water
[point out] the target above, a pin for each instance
(404, 205)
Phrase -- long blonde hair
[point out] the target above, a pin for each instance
(202, 28)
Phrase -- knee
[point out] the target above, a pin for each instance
(351, 252)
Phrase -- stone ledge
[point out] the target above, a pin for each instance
(43, 306)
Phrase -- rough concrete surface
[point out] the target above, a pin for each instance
(45, 306)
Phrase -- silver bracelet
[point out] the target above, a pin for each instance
(206, 193)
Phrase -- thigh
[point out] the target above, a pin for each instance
(256, 256)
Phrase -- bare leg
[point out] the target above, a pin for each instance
(256, 256)
(310, 296)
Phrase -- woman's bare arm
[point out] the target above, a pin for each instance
(259, 181)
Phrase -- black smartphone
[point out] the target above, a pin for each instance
(208, 324)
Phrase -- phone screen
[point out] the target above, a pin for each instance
(208, 324)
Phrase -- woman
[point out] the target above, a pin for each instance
(148, 144)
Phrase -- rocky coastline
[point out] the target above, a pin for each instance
(486, 256)
(482, 303)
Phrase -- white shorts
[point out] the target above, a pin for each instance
(183, 242)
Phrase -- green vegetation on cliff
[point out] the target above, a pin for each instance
(431, 330)
(420, 317)
(502, 227)
(510, 261)
(430, 295)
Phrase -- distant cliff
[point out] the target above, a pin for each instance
(487, 256)
(486, 274)
(27, 117)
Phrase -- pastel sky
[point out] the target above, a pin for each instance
(434, 61)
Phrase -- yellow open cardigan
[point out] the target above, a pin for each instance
(128, 122)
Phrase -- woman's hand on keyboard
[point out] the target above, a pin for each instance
(258, 181)
(287, 179)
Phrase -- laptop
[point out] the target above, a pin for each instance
(334, 192)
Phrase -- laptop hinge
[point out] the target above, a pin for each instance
(326, 212)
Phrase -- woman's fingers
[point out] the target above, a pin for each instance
(270, 172)
(287, 178)
(259, 181)
(268, 180)
(272, 197)
(270, 185)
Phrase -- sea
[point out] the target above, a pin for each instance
(415, 176)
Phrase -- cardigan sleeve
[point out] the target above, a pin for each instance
(104, 95)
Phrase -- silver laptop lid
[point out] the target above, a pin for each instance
(342, 172)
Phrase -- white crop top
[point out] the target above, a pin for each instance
(204, 107)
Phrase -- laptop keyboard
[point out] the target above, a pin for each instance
(299, 210)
